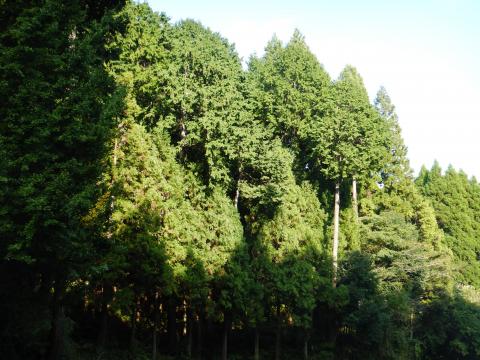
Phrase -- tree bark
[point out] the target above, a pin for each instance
(172, 325)
(237, 196)
(278, 336)
(227, 323)
(256, 353)
(355, 199)
(336, 222)
(199, 335)
(103, 333)
(305, 345)
(237, 190)
(156, 319)
(134, 325)
(57, 331)
(189, 332)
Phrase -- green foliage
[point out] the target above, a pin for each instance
(153, 190)
(402, 262)
(287, 87)
(350, 141)
(457, 324)
(455, 199)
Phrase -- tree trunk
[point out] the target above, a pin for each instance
(172, 325)
(237, 196)
(237, 190)
(189, 332)
(412, 315)
(156, 319)
(277, 342)
(305, 345)
(199, 335)
(336, 221)
(57, 331)
(354, 199)
(103, 333)
(278, 336)
(133, 333)
(256, 353)
(227, 323)
(183, 129)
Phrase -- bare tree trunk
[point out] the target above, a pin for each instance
(134, 324)
(189, 332)
(57, 331)
(237, 190)
(103, 333)
(256, 354)
(237, 196)
(278, 335)
(305, 345)
(227, 323)
(172, 325)
(412, 315)
(336, 222)
(355, 198)
(156, 318)
(199, 335)
(183, 129)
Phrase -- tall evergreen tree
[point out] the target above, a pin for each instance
(348, 142)
(58, 108)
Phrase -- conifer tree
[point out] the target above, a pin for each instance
(58, 108)
(349, 142)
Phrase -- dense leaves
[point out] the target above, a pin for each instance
(157, 199)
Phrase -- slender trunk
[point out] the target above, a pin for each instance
(183, 129)
(412, 315)
(103, 333)
(172, 325)
(412, 320)
(278, 335)
(189, 332)
(102, 336)
(156, 319)
(227, 323)
(336, 221)
(134, 325)
(57, 330)
(237, 190)
(237, 196)
(277, 342)
(256, 353)
(199, 335)
(305, 345)
(355, 199)
(112, 181)
(209, 349)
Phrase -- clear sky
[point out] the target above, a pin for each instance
(425, 52)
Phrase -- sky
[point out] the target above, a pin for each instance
(426, 53)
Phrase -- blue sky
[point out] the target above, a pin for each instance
(426, 53)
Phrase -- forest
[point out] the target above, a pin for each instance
(162, 199)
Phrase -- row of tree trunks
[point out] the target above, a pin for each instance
(193, 321)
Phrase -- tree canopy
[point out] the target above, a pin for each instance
(158, 199)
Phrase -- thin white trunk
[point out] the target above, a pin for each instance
(237, 190)
(336, 221)
(355, 198)
(183, 129)
(237, 196)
